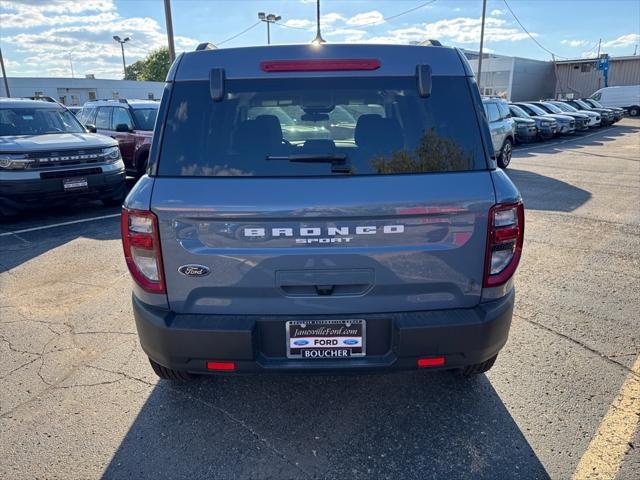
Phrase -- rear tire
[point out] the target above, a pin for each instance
(479, 368)
(141, 166)
(505, 154)
(170, 374)
(634, 111)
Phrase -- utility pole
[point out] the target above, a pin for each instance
(71, 64)
(484, 12)
(599, 43)
(318, 40)
(269, 18)
(122, 42)
(167, 15)
(4, 75)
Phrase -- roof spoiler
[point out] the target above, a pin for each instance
(216, 84)
(423, 77)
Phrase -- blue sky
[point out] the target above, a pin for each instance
(41, 37)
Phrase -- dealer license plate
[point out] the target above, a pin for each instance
(326, 339)
(77, 183)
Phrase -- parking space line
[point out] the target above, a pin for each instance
(608, 447)
(61, 224)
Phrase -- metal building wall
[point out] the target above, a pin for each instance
(532, 80)
(582, 78)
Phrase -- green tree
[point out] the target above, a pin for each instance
(134, 71)
(152, 68)
(156, 65)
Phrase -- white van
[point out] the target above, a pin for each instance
(627, 97)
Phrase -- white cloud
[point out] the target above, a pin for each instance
(460, 30)
(83, 29)
(497, 12)
(623, 41)
(331, 18)
(299, 23)
(373, 17)
(575, 43)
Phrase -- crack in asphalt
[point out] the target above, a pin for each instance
(532, 321)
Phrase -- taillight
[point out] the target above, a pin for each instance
(504, 243)
(141, 244)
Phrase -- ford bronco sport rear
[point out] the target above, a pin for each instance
(332, 208)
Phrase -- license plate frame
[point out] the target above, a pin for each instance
(295, 330)
(74, 183)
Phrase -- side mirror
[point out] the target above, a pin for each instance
(423, 76)
(123, 127)
(91, 128)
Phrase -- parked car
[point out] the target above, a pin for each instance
(627, 97)
(74, 109)
(566, 124)
(594, 117)
(502, 128)
(47, 157)
(392, 249)
(606, 115)
(581, 119)
(547, 126)
(526, 130)
(617, 112)
(130, 122)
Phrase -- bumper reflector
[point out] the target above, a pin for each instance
(221, 366)
(430, 362)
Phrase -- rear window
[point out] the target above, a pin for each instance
(321, 126)
(145, 117)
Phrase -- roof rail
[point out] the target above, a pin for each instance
(431, 43)
(206, 46)
(119, 100)
(44, 98)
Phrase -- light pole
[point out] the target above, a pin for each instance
(318, 40)
(167, 15)
(269, 18)
(4, 76)
(122, 42)
(484, 11)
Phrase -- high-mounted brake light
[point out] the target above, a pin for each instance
(141, 245)
(505, 236)
(320, 65)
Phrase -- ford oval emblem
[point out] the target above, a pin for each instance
(193, 270)
(350, 341)
(301, 343)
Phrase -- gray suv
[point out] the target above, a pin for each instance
(502, 127)
(47, 157)
(389, 243)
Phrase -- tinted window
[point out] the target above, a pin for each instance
(493, 114)
(37, 121)
(300, 127)
(528, 109)
(103, 118)
(121, 116)
(597, 96)
(145, 117)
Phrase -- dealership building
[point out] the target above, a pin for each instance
(581, 77)
(77, 91)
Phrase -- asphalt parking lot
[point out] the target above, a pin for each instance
(79, 400)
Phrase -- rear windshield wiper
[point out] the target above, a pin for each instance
(337, 160)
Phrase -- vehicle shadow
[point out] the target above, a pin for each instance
(540, 192)
(578, 140)
(20, 247)
(405, 425)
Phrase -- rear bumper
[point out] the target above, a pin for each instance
(257, 343)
